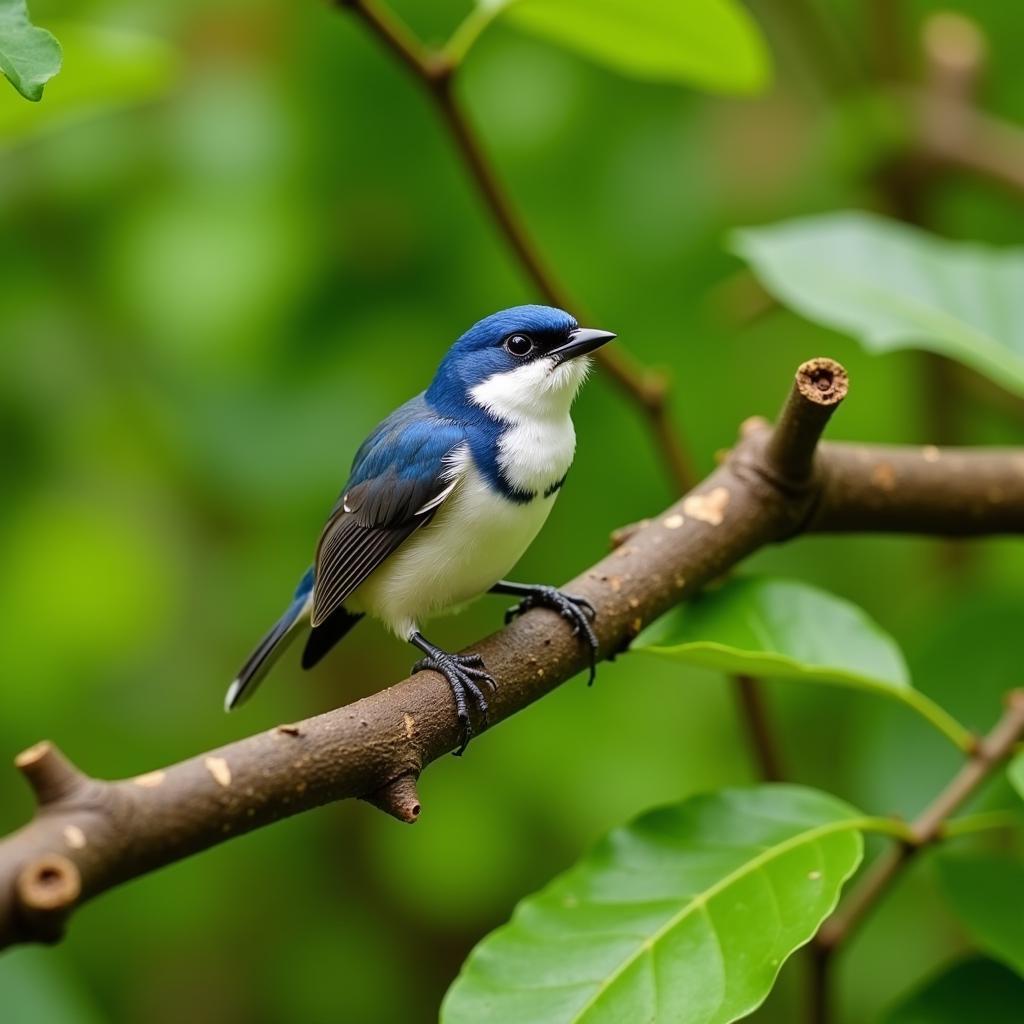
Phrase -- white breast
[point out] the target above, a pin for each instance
(474, 539)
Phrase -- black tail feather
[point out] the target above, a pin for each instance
(327, 634)
(270, 648)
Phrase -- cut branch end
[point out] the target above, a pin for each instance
(823, 382)
(819, 387)
(399, 798)
(50, 774)
(46, 892)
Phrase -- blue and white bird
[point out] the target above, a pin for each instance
(443, 499)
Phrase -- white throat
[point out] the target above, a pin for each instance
(538, 390)
(536, 449)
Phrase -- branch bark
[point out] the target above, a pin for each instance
(434, 71)
(89, 835)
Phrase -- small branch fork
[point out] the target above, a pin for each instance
(928, 828)
(435, 71)
(89, 835)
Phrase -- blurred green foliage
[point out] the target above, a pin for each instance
(221, 270)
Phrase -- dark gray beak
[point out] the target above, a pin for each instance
(581, 341)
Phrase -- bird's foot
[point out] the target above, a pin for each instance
(467, 676)
(577, 611)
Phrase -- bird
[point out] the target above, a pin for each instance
(442, 500)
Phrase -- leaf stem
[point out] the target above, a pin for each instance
(470, 30)
(938, 717)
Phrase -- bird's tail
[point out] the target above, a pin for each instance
(272, 646)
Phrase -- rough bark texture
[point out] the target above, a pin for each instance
(89, 835)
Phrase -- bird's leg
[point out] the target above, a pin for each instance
(466, 676)
(577, 611)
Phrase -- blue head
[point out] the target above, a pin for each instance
(522, 361)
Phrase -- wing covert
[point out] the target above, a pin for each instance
(401, 475)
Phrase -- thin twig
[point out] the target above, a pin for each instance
(647, 389)
(926, 829)
(760, 733)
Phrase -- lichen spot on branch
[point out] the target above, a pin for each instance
(74, 837)
(708, 508)
(219, 769)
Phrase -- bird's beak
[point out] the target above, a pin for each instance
(581, 341)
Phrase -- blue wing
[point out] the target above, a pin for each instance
(400, 477)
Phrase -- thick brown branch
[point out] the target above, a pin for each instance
(952, 492)
(91, 835)
(645, 388)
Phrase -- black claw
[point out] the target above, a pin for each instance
(577, 611)
(465, 674)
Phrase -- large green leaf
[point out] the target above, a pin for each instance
(894, 286)
(684, 916)
(987, 894)
(711, 43)
(785, 629)
(1016, 773)
(29, 56)
(973, 990)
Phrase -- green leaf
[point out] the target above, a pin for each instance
(784, 629)
(107, 68)
(685, 915)
(987, 894)
(714, 44)
(1016, 773)
(895, 287)
(973, 990)
(29, 56)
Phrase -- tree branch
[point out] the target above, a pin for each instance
(926, 829)
(948, 492)
(434, 70)
(950, 131)
(89, 835)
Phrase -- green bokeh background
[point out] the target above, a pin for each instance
(228, 252)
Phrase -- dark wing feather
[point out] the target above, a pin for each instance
(398, 481)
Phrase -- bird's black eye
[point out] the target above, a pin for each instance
(519, 344)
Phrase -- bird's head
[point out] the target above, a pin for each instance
(524, 361)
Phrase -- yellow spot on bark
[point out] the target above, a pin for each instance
(673, 522)
(74, 837)
(410, 725)
(615, 583)
(219, 769)
(151, 779)
(930, 453)
(708, 508)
